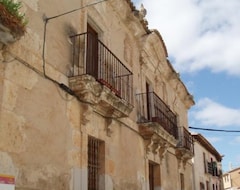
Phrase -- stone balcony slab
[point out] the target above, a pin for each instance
(105, 101)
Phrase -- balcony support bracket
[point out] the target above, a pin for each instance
(183, 155)
(102, 99)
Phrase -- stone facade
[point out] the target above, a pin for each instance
(52, 108)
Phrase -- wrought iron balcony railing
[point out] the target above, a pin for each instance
(90, 56)
(185, 140)
(151, 108)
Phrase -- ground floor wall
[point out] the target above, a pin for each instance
(44, 140)
(35, 133)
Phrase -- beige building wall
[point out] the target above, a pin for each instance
(204, 155)
(45, 127)
(231, 179)
(227, 182)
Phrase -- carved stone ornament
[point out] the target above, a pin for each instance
(102, 99)
(148, 129)
(156, 145)
(157, 141)
(163, 149)
(109, 127)
(86, 114)
(86, 88)
(141, 14)
(183, 155)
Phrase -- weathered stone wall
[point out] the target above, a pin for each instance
(234, 176)
(34, 132)
(44, 130)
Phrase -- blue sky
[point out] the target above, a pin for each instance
(203, 42)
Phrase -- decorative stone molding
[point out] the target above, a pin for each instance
(152, 144)
(109, 127)
(148, 144)
(156, 145)
(189, 100)
(86, 88)
(86, 114)
(157, 140)
(183, 155)
(103, 100)
(176, 83)
(152, 56)
(163, 149)
(141, 14)
(173, 76)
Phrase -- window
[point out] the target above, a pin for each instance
(150, 103)
(215, 169)
(182, 181)
(92, 52)
(212, 168)
(96, 162)
(207, 185)
(204, 162)
(154, 176)
(202, 186)
(213, 187)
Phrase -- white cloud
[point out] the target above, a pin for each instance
(199, 34)
(210, 113)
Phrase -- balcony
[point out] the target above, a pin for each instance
(185, 148)
(212, 169)
(153, 112)
(185, 139)
(157, 124)
(98, 77)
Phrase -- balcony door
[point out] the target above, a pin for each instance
(154, 178)
(92, 52)
(149, 92)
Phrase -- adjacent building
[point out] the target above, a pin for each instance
(89, 100)
(207, 168)
(231, 179)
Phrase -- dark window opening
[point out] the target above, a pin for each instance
(149, 101)
(204, 162)
(182, 181)
(202, 186)
(92, 52)
(154, 176)
(95, 163)
(207, 185)
(213, 187)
